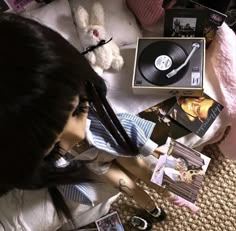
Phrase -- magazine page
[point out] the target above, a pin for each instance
(181, 170)
(196, 113)
(213, 21)
(165, 125)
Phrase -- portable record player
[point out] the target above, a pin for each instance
(169, 66)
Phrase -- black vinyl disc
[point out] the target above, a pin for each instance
(160, 58)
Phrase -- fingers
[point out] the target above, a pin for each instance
(157, 153)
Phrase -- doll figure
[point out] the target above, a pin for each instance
(46, 85)
(44, 81)
(109, 160)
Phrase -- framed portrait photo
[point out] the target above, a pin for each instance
(184, 22)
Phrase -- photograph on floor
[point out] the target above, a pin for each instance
(110, 222)
(181, 170)
(165, 125)
(196, 113)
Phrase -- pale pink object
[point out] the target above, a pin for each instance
(221, 66)
(148, 12)
(179, 201)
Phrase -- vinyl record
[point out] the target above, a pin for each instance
(159, 59)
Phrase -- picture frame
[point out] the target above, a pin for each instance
(184, 22)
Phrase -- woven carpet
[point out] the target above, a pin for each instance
(217, 201)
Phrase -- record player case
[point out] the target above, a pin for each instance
(169, 66)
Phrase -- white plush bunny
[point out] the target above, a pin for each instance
(92, 34)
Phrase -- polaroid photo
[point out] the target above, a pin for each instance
(110, 222)
(181, 170)
(184, 22)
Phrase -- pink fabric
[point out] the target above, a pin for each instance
(148, 12)
(221, 65)
(179, 201)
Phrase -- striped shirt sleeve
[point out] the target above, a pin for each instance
(139, 130)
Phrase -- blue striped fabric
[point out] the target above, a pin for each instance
(78, 192)
(138, 129)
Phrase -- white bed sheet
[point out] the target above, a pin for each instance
(57, 15)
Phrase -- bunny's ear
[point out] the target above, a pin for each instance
(97, 14)
(81, 17)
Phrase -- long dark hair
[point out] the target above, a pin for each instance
(41, 74)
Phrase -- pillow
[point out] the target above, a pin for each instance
(120, 23)
(220, 68)
(57, 15)
(148, 12)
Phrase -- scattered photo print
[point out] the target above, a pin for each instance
(181, 170)
(165, 125)
(196, 113)
(110, 222)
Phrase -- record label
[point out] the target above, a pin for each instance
(163, 62)
(158, 59)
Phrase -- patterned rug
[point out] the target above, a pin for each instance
(217, 200)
